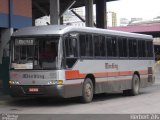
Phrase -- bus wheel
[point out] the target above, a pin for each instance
(135, 86)
(87, 91)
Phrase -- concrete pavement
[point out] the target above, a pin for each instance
(146, 102)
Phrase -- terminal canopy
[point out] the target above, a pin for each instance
(44, 6)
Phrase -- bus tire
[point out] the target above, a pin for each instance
(87, 91)
(135, 86)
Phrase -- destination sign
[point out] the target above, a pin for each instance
(24, 42)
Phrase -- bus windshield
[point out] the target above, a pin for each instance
(35, 53)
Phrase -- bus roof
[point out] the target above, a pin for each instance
(63, 29)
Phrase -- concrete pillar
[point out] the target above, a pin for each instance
(89, 13)
(5, 37)
(4, 67)
(101, 13)
(54, 12)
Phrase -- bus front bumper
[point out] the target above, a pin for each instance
(37, 91)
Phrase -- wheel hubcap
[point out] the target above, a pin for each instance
(88, 90)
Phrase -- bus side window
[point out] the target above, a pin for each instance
(149, 48)
(141, 48)
(99, 46)
(111, 47)
(122, 47)
(86, 45)
(132, 48)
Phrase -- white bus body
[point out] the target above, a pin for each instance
(107, 71)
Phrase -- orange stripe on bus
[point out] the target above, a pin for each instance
(75, 74)
(110, 74)
(100, 74)
(123, 73)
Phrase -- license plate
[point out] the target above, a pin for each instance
(33, 90)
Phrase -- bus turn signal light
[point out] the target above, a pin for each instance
(60, 82)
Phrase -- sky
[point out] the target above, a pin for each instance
(146, 9)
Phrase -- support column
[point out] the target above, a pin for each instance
(61, 20)
(4, 53)
(101, 13)
(5, 37)
(54, 12)
(89, 13)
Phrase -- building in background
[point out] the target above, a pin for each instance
(111, 19)
(80, 11)
(71, 19)
(135, 20)
(42, 21)
(124, 21)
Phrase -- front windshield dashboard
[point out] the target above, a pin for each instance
(34, 53)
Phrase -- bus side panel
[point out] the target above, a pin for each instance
(115, 75)
(72, 90)
(113, 86)
(73, 84)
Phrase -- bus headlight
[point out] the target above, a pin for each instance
(13, 82)
(52, 82)
(55, 82)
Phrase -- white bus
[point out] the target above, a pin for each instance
(66, 61)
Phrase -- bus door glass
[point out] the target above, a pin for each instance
(70, 43)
